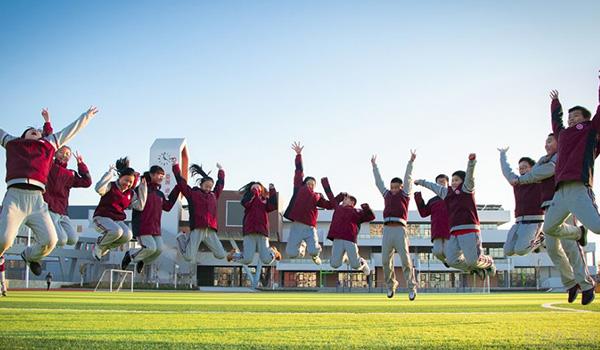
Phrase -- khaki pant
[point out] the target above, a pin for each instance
(341, 247)
(257, 242)
(464, 252)
(114, 233)
(438, 249)
(520, 238)
(64, 230)
(210, 239)
(572, 198)
(3, 282)
(299, 233)
(27, 207)
(570, 261)
(152, 247)
(396, 241)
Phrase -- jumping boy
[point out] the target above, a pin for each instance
(436, 207)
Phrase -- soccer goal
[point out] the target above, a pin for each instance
(114, 280)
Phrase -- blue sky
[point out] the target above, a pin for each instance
(241, 80)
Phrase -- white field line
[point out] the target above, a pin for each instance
(553, 309)
(557, 308)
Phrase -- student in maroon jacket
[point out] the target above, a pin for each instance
(3, 286)
(116, 197)
(526, 234)
(463, 250)
(440, 229)
(60, 181)
(303, 213)
(28, 160)
(257, 203)
(202, 203)
(146, 223)
(344, 227)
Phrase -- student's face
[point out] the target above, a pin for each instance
(311, 184)
(33, 134)
(255, 187)
(575, 118)
(524, 168)
(456, 181)
(551, 145)
(348, 202)
(126, 181)
(442, 181)
(207, 186)
(63, 154)
(157, 178)
(395, 187)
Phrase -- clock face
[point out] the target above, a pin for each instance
(164, 159)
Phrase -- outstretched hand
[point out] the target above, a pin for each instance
(79, 157)
(174, 161)
(374, 160)
(503, 150)
(45, 115)
(92, 111)
(472, 156)
(554, 94)
(413, 154)
(297, 147)
(514, 181)
(418, 182)
(219, 166)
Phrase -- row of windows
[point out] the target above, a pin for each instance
(416, 230)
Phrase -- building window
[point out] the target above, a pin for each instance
(352, 280)
(234, 214)
(418, 230)
(300, 279)
(376, 230)
(523, 277)
(495, 252)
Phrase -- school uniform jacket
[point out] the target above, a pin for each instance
(436, 207)
(147, 222)
(114, 201)
(528, 197)
(256, 211)
(60, 182)
(396, 205)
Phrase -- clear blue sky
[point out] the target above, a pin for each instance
(241, 80)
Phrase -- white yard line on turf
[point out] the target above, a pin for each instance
(554, 309)
(557, 308)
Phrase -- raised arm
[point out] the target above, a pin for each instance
(332, 199)
(408, 182)
(596, 119)
(469, 184)
(47, 129)
(378, 180)
(441, 191)
(556, 114)
(366, 214)
(542, 170)
(65, 135)
(5, 138)
(273, 201)
(509, 175)
(220, 185)
(103, 185)
(82, 178)
(169, 202)
(249, 197)
(138, 201)
(185, 189)
(424, 209)
(299, 169)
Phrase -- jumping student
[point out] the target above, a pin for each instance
(202, 202)
(302, 211)
(436, 207)
(525, 235)
(395, 239)
(463, 250)
(28, 160)
(257, 203)
(116, 197)
(146, 223)
(566, 254)
(343, 231)
(60, 181)
(3, 284)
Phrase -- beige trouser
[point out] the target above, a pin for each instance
(64, 230)
(114, 233)
(396, 241)
(152, 247)
(210, 239)
(257, 242)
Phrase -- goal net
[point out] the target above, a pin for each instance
(113, 280)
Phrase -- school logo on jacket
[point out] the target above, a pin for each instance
(579, 126)
(457, 191)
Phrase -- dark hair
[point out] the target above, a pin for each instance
(26, 130)
(396, 180)
(155, 169)
(460, 173)
(308, 178)
(551, 134)
(442, 176)
(123, 168)
(197, 170)
(529, 161)
(246, 190)
(586, 114)
(352, 198)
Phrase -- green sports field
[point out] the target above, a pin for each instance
(160, 320)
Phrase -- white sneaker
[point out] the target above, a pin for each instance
(97, 252)
(364, 267)
(392, 291)
(302, 249)
(412, 295)
(182, 243)
(316, 260)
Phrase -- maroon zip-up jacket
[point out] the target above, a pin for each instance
(256, 211)
(304, 202)
(436, 207)
(202, 205)
(148, 221)
(60, 182)
(576, 146)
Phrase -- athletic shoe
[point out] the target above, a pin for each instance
(231, 255)
(583, 238)
(412, 295)
(96, 252)
(392, 291)
(139, 267)
(573, 291)
(126, 261)
(316, 260)
(587, 296)
(302, 249)
(276, 253)
(481, 273)
(34, 266)
(3, 294)
(182, 242)
(446, 264)
(491, 271)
